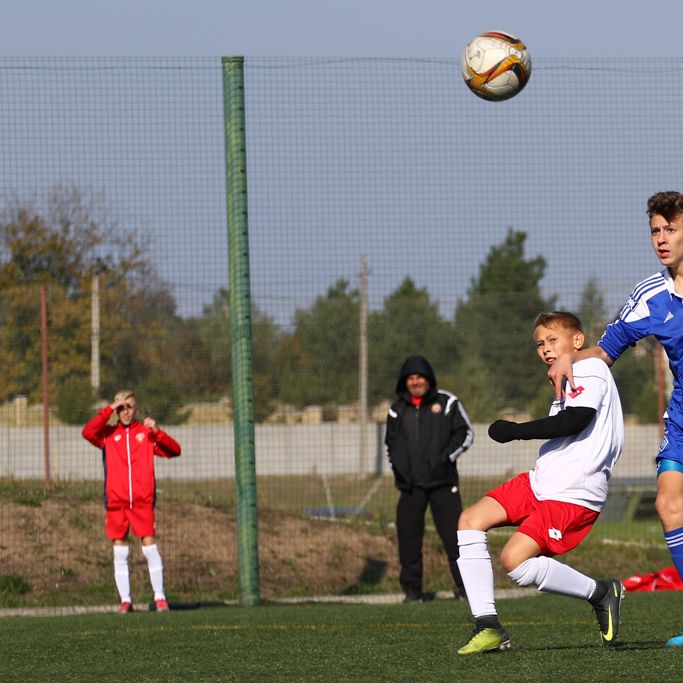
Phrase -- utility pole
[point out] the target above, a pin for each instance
(98, 269)
(363, 366)
(95, 334)
(45, 382)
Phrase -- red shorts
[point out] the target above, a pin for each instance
(118, 522)
(557, 527)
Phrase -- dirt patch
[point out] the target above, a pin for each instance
(59, 550)
(53, 551)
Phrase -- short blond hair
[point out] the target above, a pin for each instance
(124, 394)
(562, 318)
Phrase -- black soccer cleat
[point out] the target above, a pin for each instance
(608, 609)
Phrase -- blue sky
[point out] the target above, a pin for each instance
(558, 191)
(360, 28)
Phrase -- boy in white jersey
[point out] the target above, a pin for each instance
(553, 506)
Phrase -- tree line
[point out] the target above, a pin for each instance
(483, 353)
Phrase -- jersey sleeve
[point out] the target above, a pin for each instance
(392, 426)
(96, 430)
(591, 385)
(165, 445)
(461, 433)
(632, 325)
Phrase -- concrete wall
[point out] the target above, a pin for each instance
(328, 448)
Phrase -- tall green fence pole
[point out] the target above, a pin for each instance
(240, 326)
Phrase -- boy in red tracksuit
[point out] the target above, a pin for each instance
(128, 450)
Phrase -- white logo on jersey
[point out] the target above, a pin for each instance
(555, 533)
(117, 437)
(630, 304)
(140, 437)
(669, 316)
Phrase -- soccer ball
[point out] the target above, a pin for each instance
(495, 65)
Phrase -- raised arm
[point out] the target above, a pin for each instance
(562, 367)
(95, 429)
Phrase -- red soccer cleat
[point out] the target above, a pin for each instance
(125, 607)
(161, 605)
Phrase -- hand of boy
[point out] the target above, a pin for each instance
(151, 424)
(502, 431)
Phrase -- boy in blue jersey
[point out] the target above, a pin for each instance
(655, 307)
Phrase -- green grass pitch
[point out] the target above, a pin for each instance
(552, 638)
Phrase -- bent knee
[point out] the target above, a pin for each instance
(482, 516)
(469, 520)
(511, 558)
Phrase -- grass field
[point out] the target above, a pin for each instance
(552, 638)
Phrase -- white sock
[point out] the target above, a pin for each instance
(477, 572)
(551, 576)
(121, 575)
(156, 570)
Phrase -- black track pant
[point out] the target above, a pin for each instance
(446, 507)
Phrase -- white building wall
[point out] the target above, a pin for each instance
(328, 448)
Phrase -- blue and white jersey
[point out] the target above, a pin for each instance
(653, 308)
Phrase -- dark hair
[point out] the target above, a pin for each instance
(666, 204)
(563, 318)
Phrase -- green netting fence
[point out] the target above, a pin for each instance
(390, 212)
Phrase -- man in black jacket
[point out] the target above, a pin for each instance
(427, 429)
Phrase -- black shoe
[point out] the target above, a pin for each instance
(607, 609)
(414, 596)
(420, 597)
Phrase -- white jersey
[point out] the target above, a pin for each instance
(575, 469)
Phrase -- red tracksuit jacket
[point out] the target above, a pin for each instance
(128, 459)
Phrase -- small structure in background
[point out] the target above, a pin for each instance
(20, 411)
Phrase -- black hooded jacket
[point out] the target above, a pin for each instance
(424, 442)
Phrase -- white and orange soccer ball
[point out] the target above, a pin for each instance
(495, 65)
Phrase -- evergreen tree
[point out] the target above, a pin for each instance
(319, 359)
(635, 371)
(498, 368)
(213, 329)
(591, 311)
(409, 324)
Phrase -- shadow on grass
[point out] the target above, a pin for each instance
(177, 605)
(370, 577)
(640, 645)
(622, 646)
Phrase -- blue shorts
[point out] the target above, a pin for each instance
(671, 446)
(666, 465)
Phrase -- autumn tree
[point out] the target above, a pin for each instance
(59, 244)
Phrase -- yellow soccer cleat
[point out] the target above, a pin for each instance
(486, 640)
